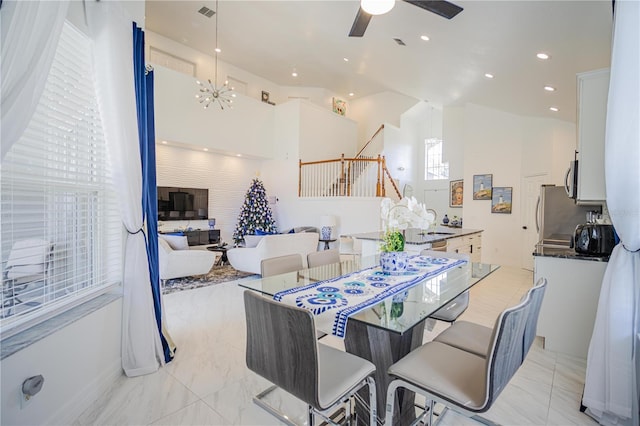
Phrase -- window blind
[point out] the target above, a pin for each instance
(61, 233)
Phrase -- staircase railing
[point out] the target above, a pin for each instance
(344, 177)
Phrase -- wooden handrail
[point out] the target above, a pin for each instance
(337, 160)
(393, 183)
(342, 178)
(381, 128)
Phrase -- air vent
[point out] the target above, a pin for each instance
(204, 10)
(399, 41)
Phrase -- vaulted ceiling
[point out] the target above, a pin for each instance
(272, 38)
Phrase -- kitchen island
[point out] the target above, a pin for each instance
(456, 240)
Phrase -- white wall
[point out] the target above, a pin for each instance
(205, 68)
(372, 111)
(78, 363)
(509, 147)
(323, 134)
(247, 128)
(227, 177)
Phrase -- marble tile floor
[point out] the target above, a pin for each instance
(208, 383)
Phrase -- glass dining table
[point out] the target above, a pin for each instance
(386, 331)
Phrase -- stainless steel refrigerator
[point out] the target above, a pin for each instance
(557, 216)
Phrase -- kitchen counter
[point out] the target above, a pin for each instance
(419, 237)
(567, 253)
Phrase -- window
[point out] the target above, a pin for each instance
(434, 167)
(61, 234)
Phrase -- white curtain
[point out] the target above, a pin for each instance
(111, 29)
(30, 31)
(610, 391)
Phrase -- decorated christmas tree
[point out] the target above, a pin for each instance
(255, 214)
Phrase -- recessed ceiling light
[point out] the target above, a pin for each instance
(424, 37)
(488, 75)
(294, 74)
(218, 50)
(164, 142)
(549, 88)
(351, 94)
(543, 55)
(345, 59)
(206, 149)
(238, 155)
(554, 109)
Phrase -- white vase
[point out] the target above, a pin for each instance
(394, 262)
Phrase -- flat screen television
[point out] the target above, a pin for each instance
(182, 203)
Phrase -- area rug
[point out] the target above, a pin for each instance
(217, 275)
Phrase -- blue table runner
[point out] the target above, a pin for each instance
(332, 301)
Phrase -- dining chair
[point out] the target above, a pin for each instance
(28, 263)
(462, 380)
(476, 338)
(280, 265)
(282, 348)
(348, 249)
(324, 257)
(452, 310)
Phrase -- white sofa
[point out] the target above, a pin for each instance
(247, 259)
(182, 262)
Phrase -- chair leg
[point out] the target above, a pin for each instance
(310, 414)
(373, 409)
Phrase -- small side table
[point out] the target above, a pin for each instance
(223, 259)
(326, 243)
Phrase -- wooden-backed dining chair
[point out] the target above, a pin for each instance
(282, 347)
(280, 265)
(324, 257)
(461, 380)
(451, 311)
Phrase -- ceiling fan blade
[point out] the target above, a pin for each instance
(360, 24)
(439, 7)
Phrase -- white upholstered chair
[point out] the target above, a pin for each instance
(181, 262)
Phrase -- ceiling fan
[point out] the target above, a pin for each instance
(439, 7)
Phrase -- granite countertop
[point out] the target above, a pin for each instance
(567, 253)
(417, 236)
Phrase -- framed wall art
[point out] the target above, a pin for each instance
(339, 106)
(482, 187)
(456, 189)
(501, 199)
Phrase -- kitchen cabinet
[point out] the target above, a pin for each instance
(568, 310)
(468, 244)
(593, 89)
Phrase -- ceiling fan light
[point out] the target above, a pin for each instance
(377, 7)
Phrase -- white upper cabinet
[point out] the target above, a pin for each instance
(593, 88)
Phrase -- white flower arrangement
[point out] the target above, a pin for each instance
(406, 213)
(396, 217)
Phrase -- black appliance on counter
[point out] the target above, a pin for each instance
(594, 239)
(557, 217)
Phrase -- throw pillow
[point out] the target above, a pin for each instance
(177, 242)
(261, 232)
(252, 240)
